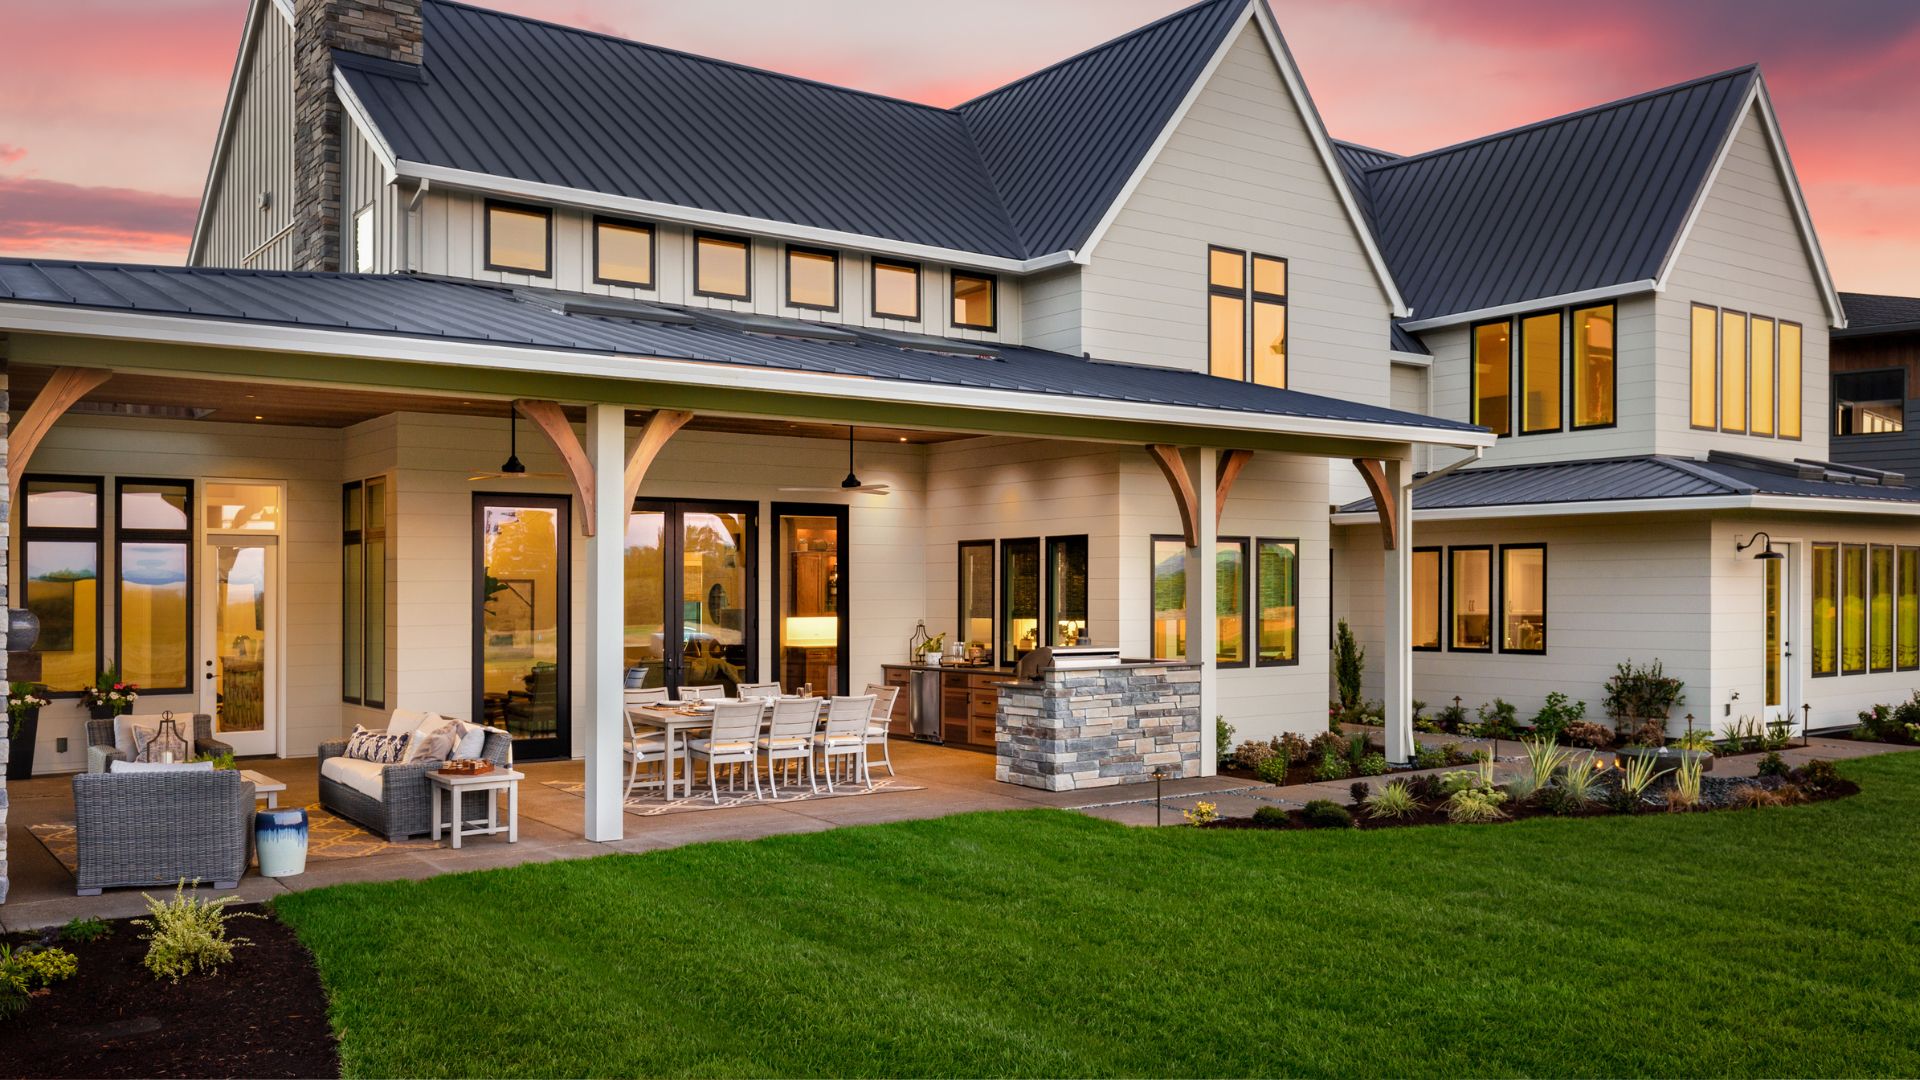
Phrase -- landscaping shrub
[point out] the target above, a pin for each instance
(188, 934)
(1223, 751)
(1741, 736)
(1332, 767)
(1476, 805)
(1349, 665)
(1588, 734)
(1394, 800)
(1544, 759)
(1498, 720)
(1424, 788)
(86, 931)
(1771, 765)
(1372, 765)
(1686, 784)
(1818, 776)
(1273, 769)
(1203, 813)
(1753, 797)
(1779, 734)
(1695, 739)
(1649, 733)
(1554, 716)
(1253, 753)
(1295, 747)
(1328, 742)
(1357, 791)
(1327, 814)
(1635, 695)
(1892, 723)
(1429, 757)
(23, 972)
(1270, 815)
(1357, 749)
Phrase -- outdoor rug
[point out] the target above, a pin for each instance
(328, 837)
(645, 804)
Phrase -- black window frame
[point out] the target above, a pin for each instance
(1473, 373)
(1904, 631)
(1800, 382)
(1439, 598)
(993, 300)
(122, 536)
(1009, 649)
(1813, 596)
(1246, 590)
(1720, 370)
(1493, 611)
(1833, 395)
(1153, 581)
(1246, 308)
(1254, 299)
(1572, 395)
(746, 278)
(1840, 607)
(68, 534)
(843, 548)
(1517, 379)
(486, 240)
(349, 491)
(1773, 419)
(1693, 311)
(653, 252)
(1049, 601)
(873, 288)
(786, 276)
(1500, 631)
(1893, 603)
(1255, 609)
(960, 595)
(540, 748)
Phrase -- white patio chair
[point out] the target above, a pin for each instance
(646, 697)
(883, 698)
(846, 736)
(649, 749)
(757, 690)
(789, 738)
(732, 741)
(701, 693)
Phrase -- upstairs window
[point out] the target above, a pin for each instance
(1269, 321)
(1595, 378)
(973, 300)
(1760, 376)
(1493, 376)
(1706, 367)
(519, 239)
(363, 240)
(1790, 376)
(1227, 313)
(1247, 316)
(813, 279)
(720, 266)
(1869, 402)
(622, 253)
(1746, 373)
(896, 290)
(1733, 372)
(1540, 374)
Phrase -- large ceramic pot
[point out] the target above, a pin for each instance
(23, 629)
(280, 840)
(20, 755)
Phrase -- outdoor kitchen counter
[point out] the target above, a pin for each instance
(1089, 727)
(969, 702)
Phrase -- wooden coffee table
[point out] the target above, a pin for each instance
(264, 787)
(452, 787)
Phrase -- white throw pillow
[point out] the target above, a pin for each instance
(473, 739)
(156, 766)
(405, 721)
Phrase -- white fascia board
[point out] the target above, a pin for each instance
(229, 117)
(1602, 508)
(170, 329)
(1585, 296)
(1409, 359)
(285, 8)
(1758, 98)
(362, 122)
(529, 190)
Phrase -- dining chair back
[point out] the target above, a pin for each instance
(877, 728)
(646, 697)
(701, 693)
(794, 719)
(757, 690)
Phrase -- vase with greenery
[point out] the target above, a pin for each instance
(108, 696)
(23, 727)
(930, 650)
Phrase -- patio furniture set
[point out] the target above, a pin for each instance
(761, 727)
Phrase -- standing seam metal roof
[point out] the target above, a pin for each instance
(1869, 313)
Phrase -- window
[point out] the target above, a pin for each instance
(1733, 372)
(1869, 402)
(1760, 382)
(896, 289)
(1066, 589)
(363, 601)
(1277, 602)
(1770, 622)
(1789, 380)
(1523, 598)
(1540, 374)
(1227, 313)
(1880, 608)
(973, 300)
(1492, 376)
(153, 534)
(363, 240)
(1019, 598)
(1169, 597)
(977, 622)
(1269, 321)
(813, 279)
(1230, 601)
(623, 253)
(60, 536)
(1908, 657)
(1426, 599)
(1470, 599)
(810, 585)
(720, 266)
(1853, 609)
(1706, 372)
(519, 239)
(1826, 622)
(1595, 379)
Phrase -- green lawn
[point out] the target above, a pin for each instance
(1783, 942)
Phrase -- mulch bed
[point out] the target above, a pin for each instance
(264, 1014)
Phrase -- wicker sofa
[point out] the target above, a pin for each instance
(159, 828)
(404, 806)
(101, 752)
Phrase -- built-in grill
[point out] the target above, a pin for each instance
(1065, 658)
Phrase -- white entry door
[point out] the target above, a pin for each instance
(240, 641)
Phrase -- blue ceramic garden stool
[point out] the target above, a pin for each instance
(280, 836)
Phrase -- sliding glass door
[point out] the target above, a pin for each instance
(810, 598)
(690, 606)
(522, 588)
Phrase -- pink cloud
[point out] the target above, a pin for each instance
(11, 154)
(56, 219)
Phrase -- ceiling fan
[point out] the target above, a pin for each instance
(511, 469)
(852, 483)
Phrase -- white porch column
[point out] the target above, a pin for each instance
(606, 593)
(1398, 600)
(1203, 586)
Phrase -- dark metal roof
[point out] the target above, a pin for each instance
(446, 309)
(1584, 201)
(1650, 477)
(1024, 171)
(1406, 341)
(1869, 314)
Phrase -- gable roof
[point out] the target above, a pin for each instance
(1872, 313)
(400, 307)
(1019, 173)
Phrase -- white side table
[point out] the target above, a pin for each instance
(452, 788)
(264, 787)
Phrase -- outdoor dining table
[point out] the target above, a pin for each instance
(666, 718)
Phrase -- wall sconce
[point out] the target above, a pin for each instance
(1766, 552)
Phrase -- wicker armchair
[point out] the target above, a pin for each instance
(405, 806)
(159, 828)
(101, 753)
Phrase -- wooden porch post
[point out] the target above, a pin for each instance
(606, 453)
(1394, 497)
(1203, 586)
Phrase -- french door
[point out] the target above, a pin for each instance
(1780, 671)
(239, 643)
(522, 614)
(691, 610)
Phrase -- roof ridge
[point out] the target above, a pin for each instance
(1092, 49)
(1364, 147)
(1576, 114)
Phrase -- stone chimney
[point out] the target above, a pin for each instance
(384, 29)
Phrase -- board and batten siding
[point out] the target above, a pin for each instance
(448, 237)
(364, 187)
(1241, 170)
(1745, 253)
(258, 158)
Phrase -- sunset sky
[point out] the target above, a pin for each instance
(108, 107)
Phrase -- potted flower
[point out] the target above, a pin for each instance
(108, 697)
(931, 648)
(23, 726)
